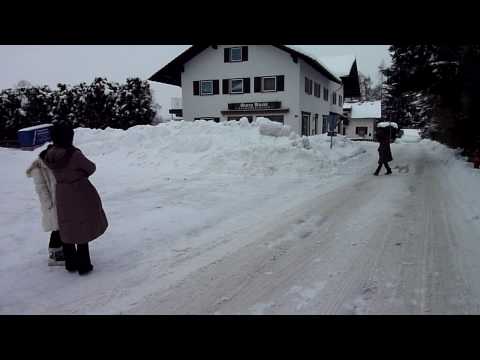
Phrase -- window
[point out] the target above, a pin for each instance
(236, 86)
(206, 87)
(308, 86)
(269, 83)
(361, 130)
(235, 54)
(305, 124)
(325, 94)
(334, 98)
(340, 99)
(317, 89)
(324, 124)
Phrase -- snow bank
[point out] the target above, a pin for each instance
(208, 148)
(409, 136)
(272, 128)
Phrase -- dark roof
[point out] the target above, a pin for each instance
(171, 73)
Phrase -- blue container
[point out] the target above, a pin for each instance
(34, 136)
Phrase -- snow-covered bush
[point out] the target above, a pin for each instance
(98, 105)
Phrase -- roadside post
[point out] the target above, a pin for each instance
(332, 124)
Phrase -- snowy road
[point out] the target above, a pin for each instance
(386, 245)
(212, 219)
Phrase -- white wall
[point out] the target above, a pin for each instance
(263, 60)
(313, 104)
(350, 129)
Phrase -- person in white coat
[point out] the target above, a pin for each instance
(45, 183)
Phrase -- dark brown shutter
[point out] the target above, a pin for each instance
(244, 53)
(216, 86)
(226, 54)
(196, 88)
(225, 88)
(257, 84)
(280, 82)
(246, 85)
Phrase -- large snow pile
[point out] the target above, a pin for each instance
(208, 148)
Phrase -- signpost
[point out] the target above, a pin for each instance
(332, 124)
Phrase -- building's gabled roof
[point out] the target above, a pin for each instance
(171, 73)
(365, 109)
(341, 66)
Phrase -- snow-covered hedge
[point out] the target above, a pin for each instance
(98, 105)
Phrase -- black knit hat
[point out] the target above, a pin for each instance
(62, 135)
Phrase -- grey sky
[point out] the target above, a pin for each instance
(49, 65)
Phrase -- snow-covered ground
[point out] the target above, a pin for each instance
(218, 219)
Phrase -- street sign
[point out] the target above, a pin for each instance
(332, 122)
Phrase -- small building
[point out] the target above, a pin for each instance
(279, 82)
(362, 119)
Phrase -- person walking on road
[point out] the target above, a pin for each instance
(384, 152)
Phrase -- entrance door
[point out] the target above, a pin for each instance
(305, 124)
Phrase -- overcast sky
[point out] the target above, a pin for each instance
(49, 65)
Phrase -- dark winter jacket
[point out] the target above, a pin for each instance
(80, 213)
(384, 152)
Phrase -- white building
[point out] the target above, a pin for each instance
(362, 119)
(176, 108)
(282, 83)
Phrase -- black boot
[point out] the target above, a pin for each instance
(389, 170)
(83, 257)
(378, 170)
(70, 254)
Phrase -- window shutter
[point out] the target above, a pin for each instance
(225, 88)
(196, 88)
(257, 84)
(246, 85)
(280, 82)
(226, 54)
(216, 85)
(244, 53)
